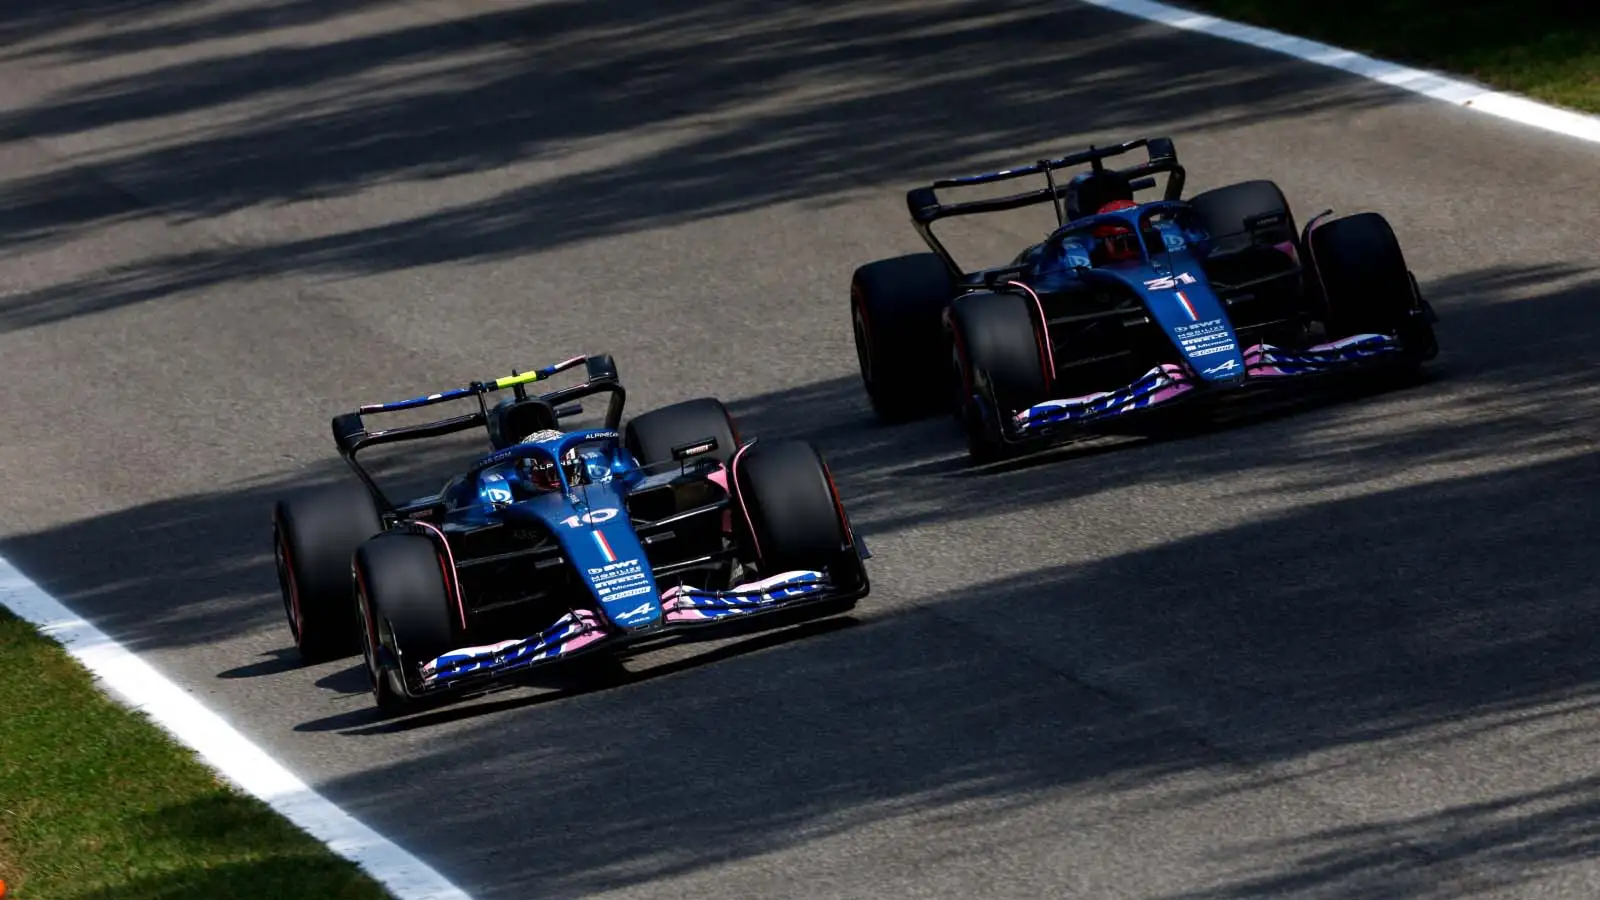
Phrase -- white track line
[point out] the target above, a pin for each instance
(1429, 84)
(223, 748)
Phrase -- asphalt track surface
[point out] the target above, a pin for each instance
(1345, 652)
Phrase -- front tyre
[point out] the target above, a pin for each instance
(406, 613)
(793, 516)
(1367, 286)
(999, 365)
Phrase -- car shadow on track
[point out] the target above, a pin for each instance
(594, 678)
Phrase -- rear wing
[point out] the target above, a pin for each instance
(925, 208)
(351, 435)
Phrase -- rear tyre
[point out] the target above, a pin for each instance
(895, 310)
(1367, 285)
(405, 611)
(998, 366)
(650, 437)
(1224, 211)
(1238, 255)
(793, 515)
(313, 540)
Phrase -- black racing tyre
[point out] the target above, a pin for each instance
(1368, 287)
(896, 307)
(651, 436)
(793, 513)
(1224, 211)
(998, 365)
(405, 610)
(314, 538)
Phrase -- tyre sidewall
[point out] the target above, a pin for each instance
(998, 364)
(895, 309)
(314, 538)
(405, 608)
(1362, 274)
(793, 518)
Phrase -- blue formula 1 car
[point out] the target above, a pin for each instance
(560, 543)
(1128, 306)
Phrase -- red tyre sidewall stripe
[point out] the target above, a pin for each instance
(370, 618)
(738, 490)
(966, 362)
(1041, 336)
(447, 570)
(858, 299)
(298, 614)
(838, 503)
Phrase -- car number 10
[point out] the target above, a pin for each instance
(592, 517)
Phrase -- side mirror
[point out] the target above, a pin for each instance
(694, 448)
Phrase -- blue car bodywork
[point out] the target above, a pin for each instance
(559, 543)
(620, 598)
(1169, 279)
(1195, 297)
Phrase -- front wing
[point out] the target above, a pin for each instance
(1170, 381)
(585, 629)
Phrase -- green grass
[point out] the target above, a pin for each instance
(97, 803)
(1545, 49)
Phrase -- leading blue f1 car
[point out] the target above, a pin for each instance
(1128, 306)
(558, 543)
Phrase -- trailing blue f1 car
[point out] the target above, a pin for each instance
(558, 543)
(1128, 306)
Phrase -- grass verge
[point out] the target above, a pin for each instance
(1546, 49)
(98, 803)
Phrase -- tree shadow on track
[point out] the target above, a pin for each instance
(1387, 616)
(1177, 681)
(54, 30)
(1513, 378)
(726, 107)
(1518, 837)
(197, 570)
(204, 563)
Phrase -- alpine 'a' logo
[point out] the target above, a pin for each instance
(642, 609)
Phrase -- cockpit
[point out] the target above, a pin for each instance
(1123, 232)
(581, 464)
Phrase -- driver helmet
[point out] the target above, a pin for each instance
(1116, 241)
(541, 473)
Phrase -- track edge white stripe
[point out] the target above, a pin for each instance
(1458, 91)
(134, 682)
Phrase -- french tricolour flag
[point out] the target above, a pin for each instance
(1188, 307)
